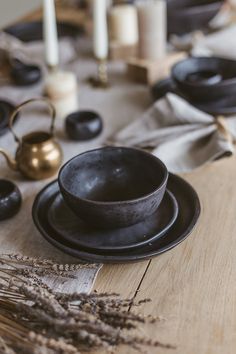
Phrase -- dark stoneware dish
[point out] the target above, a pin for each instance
(83, 125)
(113, 186)
(10, 199)
(162, 87)
(214, 78)
(6, 108)
(25, 74)
(225, 106)
(33, 31)
(185, 16)
(73, 230)
(189, 211)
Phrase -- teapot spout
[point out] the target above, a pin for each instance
(11, 162)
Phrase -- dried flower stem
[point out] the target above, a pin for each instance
(35, 319)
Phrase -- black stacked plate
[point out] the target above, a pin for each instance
(142, 241)
(184, 16)
(171, 222)
(33, 31)
(208, 83)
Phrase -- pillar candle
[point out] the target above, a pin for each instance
(123, 24)
(50, 33)
(100, 31)
(62, 90)
(152, 29)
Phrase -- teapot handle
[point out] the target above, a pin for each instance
(18, 108)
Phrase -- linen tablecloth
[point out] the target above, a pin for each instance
(118, 105)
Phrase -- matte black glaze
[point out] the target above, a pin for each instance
(6, 108)
(184, 16)
(10, 199)
(83, 125)
(33, 31)
(225, 106)
(189, 211)
(162, 87)
(25, 74)
(113, 186)
(73, 230)
(205, 90)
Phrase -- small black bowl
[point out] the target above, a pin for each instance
(206, 78)
(113, 186)
(6, 108)
(10, 199)
(83, 125)
(25, 74)
(184, 16)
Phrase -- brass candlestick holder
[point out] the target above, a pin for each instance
(101, 81)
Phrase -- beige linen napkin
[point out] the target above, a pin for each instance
(221, 44)
(179, 134)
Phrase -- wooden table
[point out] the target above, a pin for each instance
(193, 286)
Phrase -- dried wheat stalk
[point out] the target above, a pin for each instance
(37, 320)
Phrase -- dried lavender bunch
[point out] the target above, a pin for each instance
(35, 319)
(44, 263)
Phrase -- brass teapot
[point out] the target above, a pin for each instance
(38, 155)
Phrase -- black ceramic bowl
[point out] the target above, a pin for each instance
(83, 125)
(205, 79)
(185, 16)
(6, 108)
(10, 199)
(113, 186)
(25, 74)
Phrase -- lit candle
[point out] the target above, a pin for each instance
(50, 33)
(152, 29)
(100, 32)
(123, 24)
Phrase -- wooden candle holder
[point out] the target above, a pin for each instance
(122, 52)
(148, 72)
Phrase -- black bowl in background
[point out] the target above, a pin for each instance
(113, 186)
(83, 125)
(184, 16)
(6, 108)
(205, 78)
(25, 74)
(10, 199)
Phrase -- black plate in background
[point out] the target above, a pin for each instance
(184, 16)
(33, 31)
(189, 212)
(223, 106)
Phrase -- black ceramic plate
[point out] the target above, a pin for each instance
(33, 31)
(189, 211)
(6, 108)
(185, 16)
(223, 106)
(73, 230)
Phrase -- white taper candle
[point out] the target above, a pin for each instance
(152, 29)
(50, 33)
(123, 24)
(100, 31)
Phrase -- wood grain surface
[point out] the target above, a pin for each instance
(192, 287)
